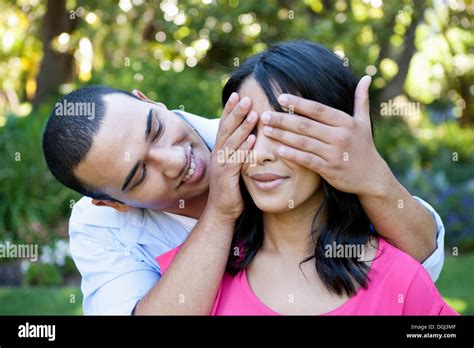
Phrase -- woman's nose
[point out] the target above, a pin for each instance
(265, 148)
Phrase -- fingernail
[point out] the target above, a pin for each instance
(252, 116)
(245, 102)
(267, 129)
(283, 99)
(281, 150)
(266, 117)
(233, 96)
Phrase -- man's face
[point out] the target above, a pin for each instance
(144, 155)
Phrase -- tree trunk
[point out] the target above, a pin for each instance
(56, 68)
(395, 86)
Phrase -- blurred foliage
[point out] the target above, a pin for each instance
(181, 53)
(189, 46)
(50, 274)
(32, 203)
(69, 268)
(435, 163)
(435, 148)
(455, 204)
(42, 274)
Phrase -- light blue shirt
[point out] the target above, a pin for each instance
(116, 252)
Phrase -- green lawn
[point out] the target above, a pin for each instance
(456, 284)
(40, 301)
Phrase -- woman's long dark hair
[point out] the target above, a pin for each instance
(315, 73)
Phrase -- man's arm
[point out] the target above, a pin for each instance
(400, 218)
(191, 283)
(341, 149)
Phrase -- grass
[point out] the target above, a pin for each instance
(456, 284)
(40, 301)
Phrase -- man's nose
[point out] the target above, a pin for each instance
(170, 160)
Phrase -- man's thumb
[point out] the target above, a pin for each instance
(361, 99)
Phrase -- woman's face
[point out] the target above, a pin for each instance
(276, 185)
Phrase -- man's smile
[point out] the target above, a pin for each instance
(195, 169)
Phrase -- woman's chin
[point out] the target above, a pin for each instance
(273, 206)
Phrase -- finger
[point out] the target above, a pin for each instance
(314, 110)
(305, 159)
(235, 118)
(246, 149)
(361, 99)
(298, 124)
(242, 132)
(297, 141)
(229, 106)
(241, 155)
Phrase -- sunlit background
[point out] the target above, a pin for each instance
(419, 53)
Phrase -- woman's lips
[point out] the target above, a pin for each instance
(267, 181)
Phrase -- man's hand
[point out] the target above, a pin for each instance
(340, 148)
(234, 142)
(196, 271)
(330, 142)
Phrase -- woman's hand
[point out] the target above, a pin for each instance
(330, 142)
(234, 143)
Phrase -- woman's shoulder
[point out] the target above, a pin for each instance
(391, 262)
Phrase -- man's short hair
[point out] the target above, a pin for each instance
(69, 134)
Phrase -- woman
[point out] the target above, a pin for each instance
(301, 246)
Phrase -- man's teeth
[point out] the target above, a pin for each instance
(190, 170)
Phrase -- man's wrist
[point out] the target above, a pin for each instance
(213, 213)
(381, 185)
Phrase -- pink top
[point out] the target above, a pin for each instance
(398, 285)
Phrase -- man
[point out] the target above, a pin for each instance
(147, 170)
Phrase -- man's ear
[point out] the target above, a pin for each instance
(143, 97)
(112, 204)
